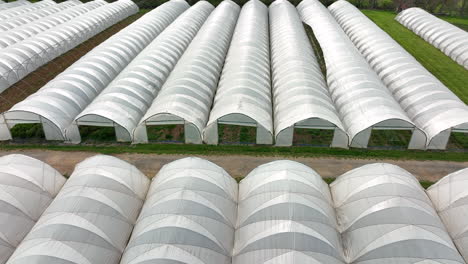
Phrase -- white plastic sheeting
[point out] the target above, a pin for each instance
(285, 215)
(300, 94)
(187, 95)
(431, 105)
(244, 91)
(91, 218)
(125, 100)
(25, 9)
(362, 100)
(385, 216)
(450, 39)
(28, 30)
(450, 198)
(22, 58)
(29, 17)
(188, 216)
(27, 186)
(57, 103)
(9, 5)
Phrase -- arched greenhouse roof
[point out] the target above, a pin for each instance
(27, 187)
(385, 216)
(63, 98)
(285, 215)
(362, 100)
(450, 39)
(450, 198)
(188, 92)
(299, 88)
(91, 218)
(188, 217)
(126, 99)
(244, 87)
(428, 102)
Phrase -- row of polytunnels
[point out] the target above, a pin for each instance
(201, 67)
(194, 212)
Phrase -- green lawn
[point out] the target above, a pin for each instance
(457, 21)
(454, 76)
(257, 150)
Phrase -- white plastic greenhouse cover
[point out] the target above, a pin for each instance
(91, 218)
(9, 5)
(385, 216)
(28, 30)
(450, 39)
(300, 94)
(450, 198)
(362, 100)
(12, 12)
(16, 21)
(57, 103)
(188, 216)
(430, 104)
(27, 186)
(22, 58)
(187, 95)
(285, 215)
(125, 100)
(244, 91)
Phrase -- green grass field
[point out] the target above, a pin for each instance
(454, 76)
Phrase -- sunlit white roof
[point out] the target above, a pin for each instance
(450, 39)
(188, 92)
(385, 216)
(450, 198)
(285, 215)
(428, 102)
(244, 89)
(362, 100)
(64, 97)
(27, 187)
(188, 217)
(125, 100)
(91, 218)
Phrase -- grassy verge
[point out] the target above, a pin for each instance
(270, 151)
(454, 76)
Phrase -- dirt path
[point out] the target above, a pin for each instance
(239, 166)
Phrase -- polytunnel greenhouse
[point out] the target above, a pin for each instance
(91, 218)
(30, 29)
(419, 93)
(187, 95)
(125, 100)
(188, 217)
(23, 9)
(9, 5)
(243, 97)
(285, 215)
(22, 58)
(57, 103)
(450, 39)
(301, 97)
(27, 187)
(363, 102)
(29, 17)
(383, 213)
(450, 198)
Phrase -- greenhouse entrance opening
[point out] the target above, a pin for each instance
(96, 134)
(166, 133)
(313, 137)
(390, 139)
(27, 131)
(458, 141)
(236, 134)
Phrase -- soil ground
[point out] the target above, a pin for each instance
(240, 165)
